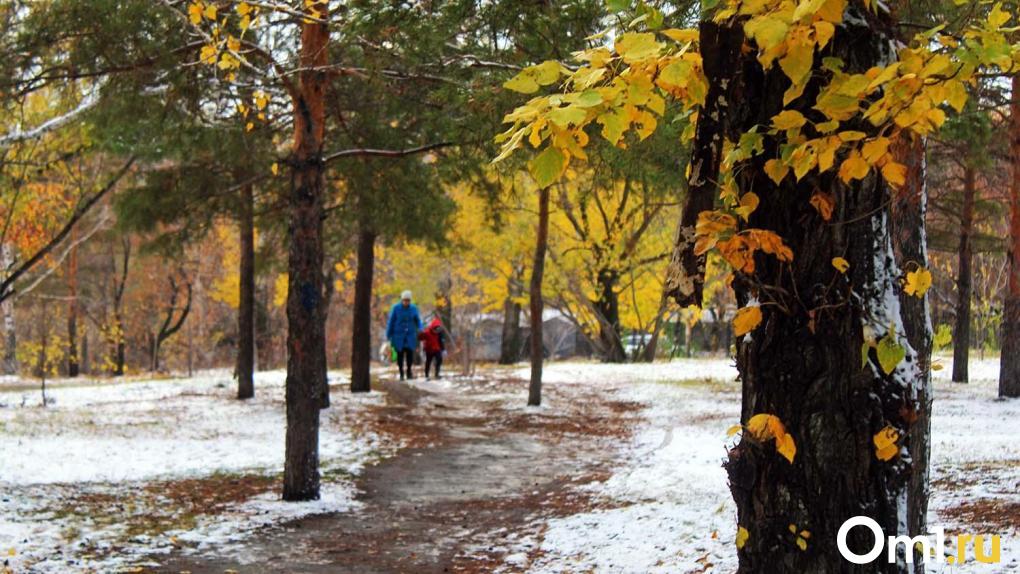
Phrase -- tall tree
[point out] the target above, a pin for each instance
(1009, 363)
(535, 302)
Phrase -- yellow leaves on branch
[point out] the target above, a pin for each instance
(746, 320)
(885, 443)
(918, 282)
(764, 427)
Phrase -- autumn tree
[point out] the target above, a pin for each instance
(963, 181)
(1009, 368)
(790, 182)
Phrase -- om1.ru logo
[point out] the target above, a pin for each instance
(922, 543)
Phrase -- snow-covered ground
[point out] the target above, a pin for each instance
(109, 472)
(84, 481)
(669, 504)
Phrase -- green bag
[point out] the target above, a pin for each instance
(393, 354)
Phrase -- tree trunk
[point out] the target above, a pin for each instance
(1009, 363)
(510, 344)
(361, 329)
(608, 308)
(119, 284)
(535, 295)
(961, 334)
(72, 313)
(306, 337)
(803, 364)
(10, 359)
(651, 349)
(909, 207)
(246, 303)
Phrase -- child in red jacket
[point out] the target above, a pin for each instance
(434, 340)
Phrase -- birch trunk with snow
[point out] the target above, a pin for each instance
(803, 363)
(909, 207)
(10, 358)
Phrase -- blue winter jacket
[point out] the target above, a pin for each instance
(403, 327)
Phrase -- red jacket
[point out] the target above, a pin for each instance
(432, 337)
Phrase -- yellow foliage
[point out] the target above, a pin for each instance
(764, 427)
(742, 536)
(885, 443)
(746, 320)
(918, 282)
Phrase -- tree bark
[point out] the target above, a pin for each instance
(535, 296)
(961, 334)
(651, 349)
(803, 363)
(117, 334)
(10, 359)
(72, 313)
(1009, 363)
(608, 307)
(909, 208)
(510, 343)
(306, 340)
(170, 327)
(246, 302)
(361, 328)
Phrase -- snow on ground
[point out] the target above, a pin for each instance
(669, 505)
(156, 451)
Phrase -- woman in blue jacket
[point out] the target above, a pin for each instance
(402, 331)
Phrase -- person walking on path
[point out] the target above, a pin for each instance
(434, 340)
(402, 332)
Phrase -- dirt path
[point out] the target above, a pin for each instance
(477, 473)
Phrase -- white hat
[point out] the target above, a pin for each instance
(406, 295)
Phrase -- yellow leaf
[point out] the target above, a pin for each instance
(742, 536)
(895, 174)
(788, 120)
(827, 149)
(823, 33)
(873, 150)
(733, 430)
(776, 170)
(824, 203)
(885, 443)
(764, 427)
(249, 126)
(747, 319)
(243, 8)
(801, 543)
(208, 54)
(210, 12)
(233, 44)
(853, 167)
(261, 99)
(275, 168)
(195, 13)
(681, 36)
(786, 446)
(748, 203)
(918, 282)
(841, 265)
(12, 552)
(634, 46)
